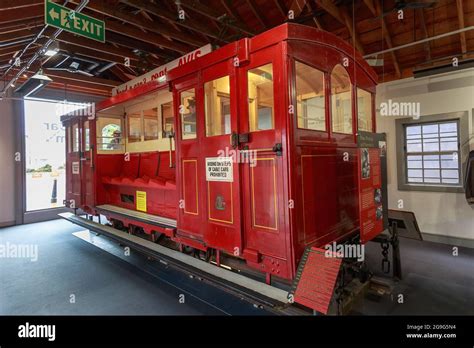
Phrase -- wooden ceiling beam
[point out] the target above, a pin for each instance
(215, 15)
(227, 4)
(27, 24)
(460, 11)
(72, 82)
(8, 53)
(257, 13)
(80, 78)
(280, 5)
(375, 8)
(76, 47)
(424, 32)
(316, 21)
(148, 37)
(20, 34)
(117, 71)
(131, 43)
(114, 12)
(103, 56)
(17, 4)
(297, 6)
(13, 14)
(341, 14)
(332, 9)
(170, 16)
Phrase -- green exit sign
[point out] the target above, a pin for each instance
(74, 22)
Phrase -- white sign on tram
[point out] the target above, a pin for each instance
(161, 71)
(219, 169)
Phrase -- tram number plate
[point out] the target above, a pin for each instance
(219, 169)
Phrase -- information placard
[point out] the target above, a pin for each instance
(141, 201)
(219, 169)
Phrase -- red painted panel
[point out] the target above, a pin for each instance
(190, 186)
(264, 194)
(148, 165)
(220, 202)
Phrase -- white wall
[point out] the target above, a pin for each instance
(7, 163)
(437, 213)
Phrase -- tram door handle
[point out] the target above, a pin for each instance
(236, 139)
(171, 137)
(91, 156)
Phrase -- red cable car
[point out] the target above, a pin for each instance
(250, 154)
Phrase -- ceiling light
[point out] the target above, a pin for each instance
(34, 84)
(52, 49)
(50, 53)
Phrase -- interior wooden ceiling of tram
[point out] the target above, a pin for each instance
(150, 33)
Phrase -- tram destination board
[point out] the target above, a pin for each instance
(74, 22)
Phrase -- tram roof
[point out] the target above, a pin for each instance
(241, 49)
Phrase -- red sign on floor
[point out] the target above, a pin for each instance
(315, 279)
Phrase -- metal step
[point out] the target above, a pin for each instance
(220, 276)
(138, 215)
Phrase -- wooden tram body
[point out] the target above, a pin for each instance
(265, 160)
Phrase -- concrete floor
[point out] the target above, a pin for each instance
(435, 281)
(100, 282)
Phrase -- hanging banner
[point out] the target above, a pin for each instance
(161, 71)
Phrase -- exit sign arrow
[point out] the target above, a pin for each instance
(74, 22)
(54, 15)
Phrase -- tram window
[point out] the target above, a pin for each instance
(87, 140)
(167, 119)
(150, 124)
(364, 110)
(187, 110)
(217, 106)
(260, 94)
(75, 138)
(310, 101)
(69, 139)
(134, 127)
(110, 134)
(341, 108)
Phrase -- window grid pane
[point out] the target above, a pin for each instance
(431, 153)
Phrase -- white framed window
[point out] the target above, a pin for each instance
(430, 154)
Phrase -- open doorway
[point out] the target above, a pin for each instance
(44, 169)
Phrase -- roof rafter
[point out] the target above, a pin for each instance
(424, 32)
(216, 16)
(257, 13)
(142, 23)
(341, 14)
(375, 8)
(460, 10)
(164, 13)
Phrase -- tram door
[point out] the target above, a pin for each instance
(73, 162)
(219, 153)
(262, 111)
(87, 162)
(79, 162)
(207, 161)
